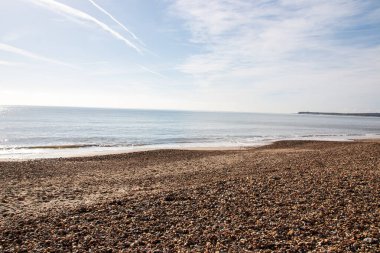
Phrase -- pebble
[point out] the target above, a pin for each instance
(370, 240)
(271, 199)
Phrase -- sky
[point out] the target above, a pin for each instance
(278, 56)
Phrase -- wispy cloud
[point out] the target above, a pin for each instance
(72, 12)
(115, 20)
(251, 34)
(25, 53)
(279, 46)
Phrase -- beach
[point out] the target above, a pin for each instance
(289, 196)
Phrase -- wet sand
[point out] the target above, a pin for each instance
(294, 196)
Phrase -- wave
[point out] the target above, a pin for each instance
(68, 146)
(83, 149)
(174, 141)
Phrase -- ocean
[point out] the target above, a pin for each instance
(28, 132)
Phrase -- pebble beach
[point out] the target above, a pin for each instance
(290, 196)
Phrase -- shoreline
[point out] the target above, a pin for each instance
(78, 151)
(89, 154)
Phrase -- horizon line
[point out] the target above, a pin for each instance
(144, 109)
(184, 110)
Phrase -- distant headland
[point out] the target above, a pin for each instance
(343, 114)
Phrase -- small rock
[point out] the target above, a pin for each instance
(291, 232)
(370, 240)
(169, 197)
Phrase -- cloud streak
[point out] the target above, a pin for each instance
(72, 12)
(25, 53)
(115, 20)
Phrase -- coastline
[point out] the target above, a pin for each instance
(86, 153)
(84, 150)
(290, 195)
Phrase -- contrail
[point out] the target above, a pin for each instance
(67, 10)
(151, 71)
(28, 54)
(115, 20)
(7, 63)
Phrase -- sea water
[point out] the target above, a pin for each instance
(38, 132)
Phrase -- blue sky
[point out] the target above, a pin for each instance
(229, 55)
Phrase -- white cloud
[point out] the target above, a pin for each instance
(265, 47)
(72, 12)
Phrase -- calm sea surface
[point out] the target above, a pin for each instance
(33, 132)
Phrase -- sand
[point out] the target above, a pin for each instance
(294, 196)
